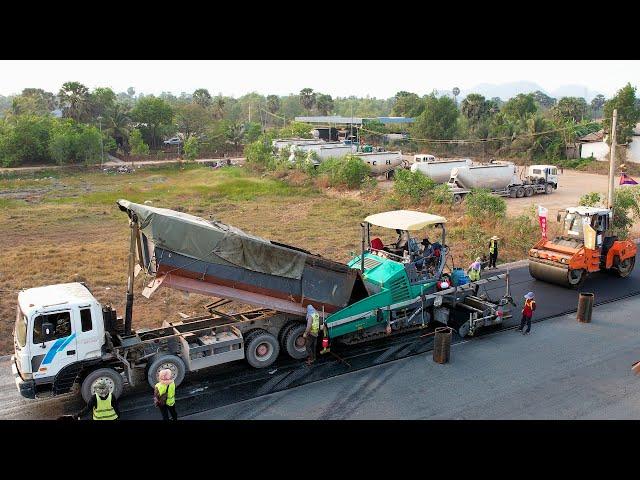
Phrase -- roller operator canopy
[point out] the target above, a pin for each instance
(404, 219)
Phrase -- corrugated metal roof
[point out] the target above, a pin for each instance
(353, 120)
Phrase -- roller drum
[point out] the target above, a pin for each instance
(558, 275)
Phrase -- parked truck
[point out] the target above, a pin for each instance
(438, 170)
(65, 338)
(502, 179)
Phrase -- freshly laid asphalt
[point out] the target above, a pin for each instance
(230, 384)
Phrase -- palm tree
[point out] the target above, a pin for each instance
(235, 133)
(119, 125)
(218, 107)
(307, 98)
(74, 100)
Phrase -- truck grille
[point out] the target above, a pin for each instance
(399, 290)
(370, 263)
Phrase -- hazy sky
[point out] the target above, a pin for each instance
(380, 79)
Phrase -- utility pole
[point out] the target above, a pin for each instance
(612, 158)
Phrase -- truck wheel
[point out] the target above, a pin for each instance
(171, 362)
(549, 189)
(528, 192)
(261, 349)
(295, 343)
(513, 192)
(457, 199)
(282, 334)
(520, 192)
(113, 379)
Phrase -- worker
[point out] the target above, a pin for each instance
(527, 313)
(474, 270)
(493, 251)
(311, 333)
(164, 395)
(403, 240)
(103, 403)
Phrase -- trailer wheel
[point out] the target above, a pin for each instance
(113, 379)
(261, 349)
(520, 192)
(457, 199)
(171, 362)
(463, 330)
(549, 189)
(282, 334)
(295, 343)
(528, 192)
(513, 192)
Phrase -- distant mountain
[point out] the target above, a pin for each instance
(507, 90)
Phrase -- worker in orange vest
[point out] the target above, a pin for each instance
(527, 313)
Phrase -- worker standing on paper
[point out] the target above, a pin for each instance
(527, 313)
(493, 251)
(311, 333)
(103, 403)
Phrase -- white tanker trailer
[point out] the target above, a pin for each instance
(381, 162)
(438, 170)
(502, 179)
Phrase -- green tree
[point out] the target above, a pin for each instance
(24, 139)
(138, 147)
(297, 130)
(101, 100)
(252, 132)
(191, 119)
(407, 104)
(374, 130)
(596, 105)
(73, 142)
(234, 132)
(191, 148)
(273, 103)
(219, 104)
(202, 97)
(520, 106)
(628, 113)
(476, 109)
(118, 124)
(34, 101)
(154, 113)
(324, 103)
(570, 108)
(75, 101)
(307, 98)
(543, 100)
(438, 120)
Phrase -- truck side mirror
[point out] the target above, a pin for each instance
(48, 331)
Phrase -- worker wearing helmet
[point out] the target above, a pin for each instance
(164, 395)
(527, 313)
(103, 403)
(493, 251)
(311, 333)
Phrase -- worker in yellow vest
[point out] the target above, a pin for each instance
(164, 395)
(103, 403)
(311, 333)
(493, 251)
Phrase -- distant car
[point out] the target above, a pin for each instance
(173, 141)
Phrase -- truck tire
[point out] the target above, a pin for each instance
(261, 349)
(457, 199)
(162, 361)
(513, 192)
(528, 192)
(113, 378)
(548, 189)
(520, 192)
(282, 334)
(294, 343)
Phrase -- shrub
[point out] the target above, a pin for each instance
(25, 139)
(73, 142)
(191, 148)
(441, 194)
(590, 199)
(350, 171)
(138, 147)
(482, 204)
(414, 185)
(259, 153)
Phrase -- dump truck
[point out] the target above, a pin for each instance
(66, 339)
(585, 245)
(501, 178)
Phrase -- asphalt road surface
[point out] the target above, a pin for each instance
(233, 383)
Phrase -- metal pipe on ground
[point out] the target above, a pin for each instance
(585, 307)
(442, 344)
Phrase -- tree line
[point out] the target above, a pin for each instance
(76, 124)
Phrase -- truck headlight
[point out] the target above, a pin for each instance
(27, 376)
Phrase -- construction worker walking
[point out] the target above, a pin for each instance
(103, 403)
(164, 395)
(527, 313)
(493, 251)
(311, 333)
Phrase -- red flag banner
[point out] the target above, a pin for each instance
(542, 217)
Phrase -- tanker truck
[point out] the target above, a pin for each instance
(438, 170)
(501, 178)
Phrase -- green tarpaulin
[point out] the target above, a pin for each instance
(215, 242)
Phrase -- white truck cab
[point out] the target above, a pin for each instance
(546, 173)
(58, 330)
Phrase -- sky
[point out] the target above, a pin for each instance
(376, 78)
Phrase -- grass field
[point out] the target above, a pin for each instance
(62, 227)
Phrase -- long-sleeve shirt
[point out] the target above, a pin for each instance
(93, 404)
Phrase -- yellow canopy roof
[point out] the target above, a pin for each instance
(404, 219)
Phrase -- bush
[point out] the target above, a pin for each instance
(191, 148)
(138, 147)
(482, 204)
(349, 171)
(441, 194)
(590, 199)
(414, 185)
(73, 142)
(259, 153)
(25, 138)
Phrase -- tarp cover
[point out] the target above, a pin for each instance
(214, 241)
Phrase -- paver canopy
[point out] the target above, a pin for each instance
(213, 241)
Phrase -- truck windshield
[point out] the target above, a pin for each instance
(21, 328)
(573, 225)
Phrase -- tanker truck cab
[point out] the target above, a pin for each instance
(547, 174)
(58, 331)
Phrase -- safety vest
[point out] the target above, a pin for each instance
(315, 324)
(492, 246)
(474, 275)
(103, 409)
(171, 397)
